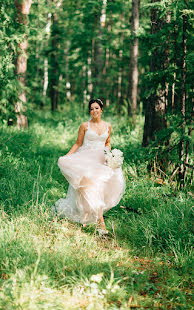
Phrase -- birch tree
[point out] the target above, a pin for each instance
(22, 12)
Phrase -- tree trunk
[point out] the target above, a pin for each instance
(174, 75)
(93, 69)
(45, 84)
(167, 59)
(67, 78)
(89, 74)
(98, 62)
(22, 11)
(100, 20)
(133, 78)
(183, 101)
(120, 81)
(107, 80)
(155, 119)
(54, 65)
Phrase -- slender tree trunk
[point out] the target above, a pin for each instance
(67, 78)
(93, 71)
(183, 102)
(45, 84)
(22, 11)
(174, 75)
(106, 61)
(155, 119)
(98, 51)
(84, 85)
(114, 94)
(100, 20)
(166, 60)
(120, 81)
(54, 65)
(120, 69)
(133, 78)
(89, 73)
(187, 151)
(107, 81)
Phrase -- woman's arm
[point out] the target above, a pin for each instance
(107, 143)
(80, 139)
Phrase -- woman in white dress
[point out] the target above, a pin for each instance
(94, 188)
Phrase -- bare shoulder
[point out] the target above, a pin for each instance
(109, 125)
(84, 125)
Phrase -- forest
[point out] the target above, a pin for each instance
(137, 57)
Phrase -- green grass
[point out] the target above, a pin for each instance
(48, 263)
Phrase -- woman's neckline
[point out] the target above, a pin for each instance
(95, 131)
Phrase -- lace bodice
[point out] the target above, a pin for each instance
(93, 140)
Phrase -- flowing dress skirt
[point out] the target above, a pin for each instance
(94, 188)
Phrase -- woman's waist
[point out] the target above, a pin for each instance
(92, 145)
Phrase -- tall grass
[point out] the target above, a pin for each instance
(48, 263)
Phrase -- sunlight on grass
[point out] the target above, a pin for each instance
(49, 263)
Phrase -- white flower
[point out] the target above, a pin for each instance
(97, 277)
(117, 152)
(107, 149)
(114, 158)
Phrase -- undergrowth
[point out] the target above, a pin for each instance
(48, 263)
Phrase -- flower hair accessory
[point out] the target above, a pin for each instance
(100, 101)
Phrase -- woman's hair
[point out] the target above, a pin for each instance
(98, 101)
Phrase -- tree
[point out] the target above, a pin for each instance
(155, 115)
(133, 78)
(99, 21)
(168, 124)
(54, 57)
(182, 149)
(45, 85)
(22, 11)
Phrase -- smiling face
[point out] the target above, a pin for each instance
(95, 110)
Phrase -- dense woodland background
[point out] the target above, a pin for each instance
(137, 56)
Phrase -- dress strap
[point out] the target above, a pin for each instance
(88, 124)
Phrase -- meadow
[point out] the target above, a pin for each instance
(52, 263)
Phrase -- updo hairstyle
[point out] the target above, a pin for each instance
(98, 101)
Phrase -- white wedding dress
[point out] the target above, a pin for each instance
(94, 188)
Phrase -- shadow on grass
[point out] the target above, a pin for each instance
(73, 267)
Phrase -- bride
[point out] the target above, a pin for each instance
(94, 188)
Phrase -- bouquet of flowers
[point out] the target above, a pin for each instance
(113, 158)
